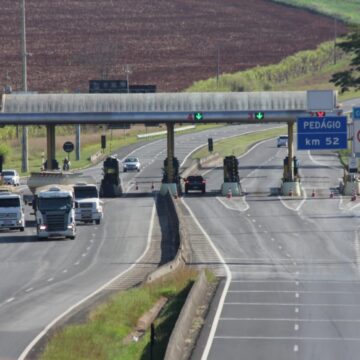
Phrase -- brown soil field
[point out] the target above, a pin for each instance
(170, 43)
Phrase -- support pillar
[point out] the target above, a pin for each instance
(77, 145)
(50, 145)
(171, 186)
(170, 153)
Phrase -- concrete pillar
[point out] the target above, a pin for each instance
(170, 152)
(290, 150)
(77, 144)
(50, 145)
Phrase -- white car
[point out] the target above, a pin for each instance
(131, 163)
(10, 177)
(282, 141)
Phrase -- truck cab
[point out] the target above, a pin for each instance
(11, 211)
(88, 206)
(54, 211)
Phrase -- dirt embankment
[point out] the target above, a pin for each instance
(167, 43)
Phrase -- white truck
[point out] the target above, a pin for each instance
(88, 206)
(54, 211)
(11, 211)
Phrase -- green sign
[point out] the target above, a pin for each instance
(259, 115)
(198, 116)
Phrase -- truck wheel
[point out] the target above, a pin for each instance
(22, 229)
(97, 222)
(125, 170)
(71, 237)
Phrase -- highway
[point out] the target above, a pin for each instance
(43, 279)
(293, 290)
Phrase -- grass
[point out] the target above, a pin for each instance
(346, 10)
(101, 337)
(239, 144)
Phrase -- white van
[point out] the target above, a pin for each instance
(11, 211)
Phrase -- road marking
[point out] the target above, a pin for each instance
(225, 290)
(296, 348)
(291, 320)
(297, 295)
(65, 271)
(292, 304)
(357, 251)
(296, 310)
(9, 300)
(77, 263)
(50, 279)
(84, 254)
(304, 338)
(28, 290)
(280, 247)
(296, 327)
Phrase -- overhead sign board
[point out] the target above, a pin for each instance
(108, 86)
(324, 133)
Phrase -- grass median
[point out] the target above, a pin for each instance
(101, 337)
(239, 144)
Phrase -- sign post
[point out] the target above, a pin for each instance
(356, 132)
(322, 133)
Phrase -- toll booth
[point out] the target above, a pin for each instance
(231, 185)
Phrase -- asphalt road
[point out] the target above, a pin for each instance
(294, 264)
(43, 279)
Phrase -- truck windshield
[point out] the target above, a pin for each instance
(86, 192)
(10, 202)
(59, 203)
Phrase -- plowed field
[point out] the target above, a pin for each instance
(170, 43)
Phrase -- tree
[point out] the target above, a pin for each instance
(351, 77)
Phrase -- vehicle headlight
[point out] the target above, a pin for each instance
(70, 227)
(42, 227)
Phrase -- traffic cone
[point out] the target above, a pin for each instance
(313, 193)
(229, 194)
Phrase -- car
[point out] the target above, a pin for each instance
(131, 163)
(282, 141)
(195, 182)
(10, 177)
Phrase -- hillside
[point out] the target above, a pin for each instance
(168, 43)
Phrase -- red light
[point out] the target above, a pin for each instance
(320, 113)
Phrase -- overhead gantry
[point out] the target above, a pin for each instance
(168, 108)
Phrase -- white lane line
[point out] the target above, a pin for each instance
(225, 290)
(292, 304)
(88, 248)
(71, 308)
(304, 338)
(65, 271)
(296, 310)
(296, 327)
(297, 295)
(84, 254)
(280, 247)
(77, 263)
(291, 320)
(357, 251)
(50, 279)
(9, 300)
(296, 292)
(29, 289)
(296, 348)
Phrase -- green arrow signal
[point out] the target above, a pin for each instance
(259, 115)
(198, 116)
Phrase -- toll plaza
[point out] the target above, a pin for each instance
(170, 109)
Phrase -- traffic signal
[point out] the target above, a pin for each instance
(210, 144)
(103, 141)
(198, 116)
(259, 115)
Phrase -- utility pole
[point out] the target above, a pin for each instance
(127, 71)
(218, 67)
(24, 163)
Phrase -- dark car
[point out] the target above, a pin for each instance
(195, 182)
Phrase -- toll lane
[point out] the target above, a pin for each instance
(295, 283)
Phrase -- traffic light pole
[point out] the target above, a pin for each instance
(50, 146)
(290, 150)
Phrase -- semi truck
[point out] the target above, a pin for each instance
(88, 206)
(54, 211)
(12, 215)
